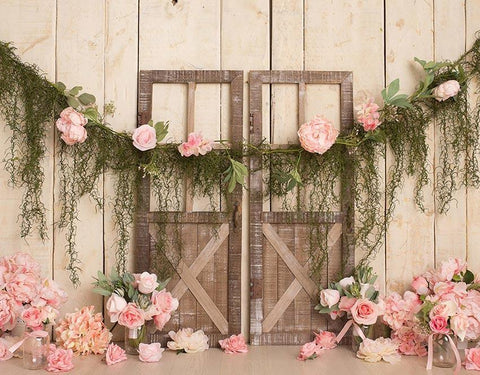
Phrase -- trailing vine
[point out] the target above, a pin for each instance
(303, 180)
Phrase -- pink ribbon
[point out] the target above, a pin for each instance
(455, 351)
(33, 334)
(345, 329)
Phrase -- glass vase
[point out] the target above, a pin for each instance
(357, 339)
(443, 354)
(35, 350)
(133, 338)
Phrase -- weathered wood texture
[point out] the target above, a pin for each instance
(207, 281)
(279, 270)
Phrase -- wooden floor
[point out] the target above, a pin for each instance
(263, 360)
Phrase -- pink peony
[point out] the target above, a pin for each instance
(164, 301)
(234, 344)
(70, 116)
(310, 350)
(115, 354)
(420, 285)
(400, 310)
(144, 137)
(74, 134)
(8, 316)
(368, 115)
(115, 305)
(131, 316)
(346, 303)
(23, 287)
(329, 297)
(147, 282)
(446, 90)
(326, 339)
(409, 341)
(195, 145)
(150, 352)
(473, 329)
(365, 312)
(23, 263)
(318, 135)
(472, 359)
(376, 350)
(439, 324)
(33, 318)
(52, 294)
(188, 340)
(59, 360)
(161, 319)
(5, 354)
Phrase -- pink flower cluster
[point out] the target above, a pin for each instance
(84, 332)
(234, 344)
(324, 340)
(72, 125)
(59, 360)
(317, 135)
(368, 115)
(195, 145)
(24, 294)
(410, 341)
(400, 311)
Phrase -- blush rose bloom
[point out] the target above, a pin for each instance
(326, 339)
(8, 316)
(318, 135)
(472, 359)
(187, 340)
(164, 301)
(308, 351)
(420, 285)
(329, 297)
(23, 287)
(368, 115)
(439, 324)
(74, 134)
(346, 303)
(234, 344)
(5, 354)
(446, 90)
(365, 312)
(131, 316)
(69, 116)
(59, 360)
(150, 352)
(115, 354)
(161, 319)
(147, 282)
(144, 137)
(33, 318)
(115, 305)
(459, 324)
(52, 293)
(346, 282)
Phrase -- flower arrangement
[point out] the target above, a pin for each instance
(84, 332)
(26, 295)
(188, 341)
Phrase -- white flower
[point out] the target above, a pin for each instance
(376, 350)
(329, 297)
(115, 305)
(147, 282)
(346, 282)
(187, 340)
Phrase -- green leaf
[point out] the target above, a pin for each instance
(161, 130)
(92, 114)
(296, 176)
(457, 278)
(60, 86)
(75, 90)
(86, 99)
(291, 185)
(469, 277)
(393, 88)
(73, 102)
(401, 102)
(231, 184)
(102, 292)
(421, 62)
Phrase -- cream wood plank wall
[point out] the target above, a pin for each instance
(101, 44)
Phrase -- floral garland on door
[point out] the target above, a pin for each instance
(89, 147)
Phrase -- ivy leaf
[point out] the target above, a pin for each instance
(86, 99)
(73, 102)
(161, 129)
(75, 90)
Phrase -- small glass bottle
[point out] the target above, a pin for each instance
(133, 339)
(357, 340)
(35, 351)
(443, 354)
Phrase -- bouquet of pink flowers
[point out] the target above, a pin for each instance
(136, 298)
(26, 295)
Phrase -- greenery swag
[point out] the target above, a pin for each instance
(29, 103)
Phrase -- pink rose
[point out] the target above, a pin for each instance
(326, 339)
(446, 90)
(164, 301)
(161, 319)
(147, 282)
(459, 324)
(472, 359)
(364, 312)
(59, 360)
(420, 285)
(8, 316)
(23, 287)
(318, 135)
(368, 115)
(115, 305)
(439, 324)
(71, 117)
(329, 297)
(234, 344)
(74, 134)
(336, 314)
(115, 354)
(195, 145)
(33, 318)
(131, 316)
(310, 350)
(5, 354)
(150, 352)
(346, 303)
(144, 137)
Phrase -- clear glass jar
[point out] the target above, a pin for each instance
(135, 337)
(35, 350)
(443, 354)
(368, 331)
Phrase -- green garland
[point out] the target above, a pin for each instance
(29, 103)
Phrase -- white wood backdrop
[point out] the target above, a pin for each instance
(101, 44)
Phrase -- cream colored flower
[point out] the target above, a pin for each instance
(187, 340)
(376, 350)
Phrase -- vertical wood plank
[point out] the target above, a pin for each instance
(188, 303)
(80, 60)
(410, 240)
(207, 278)
(284, 278)
(30, 26)
(473, 195)
(450, 228)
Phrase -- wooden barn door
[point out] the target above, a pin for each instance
(207, 276)
(283, 293)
